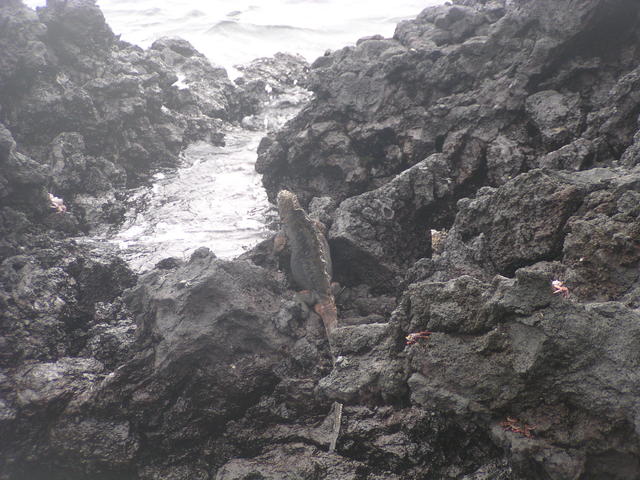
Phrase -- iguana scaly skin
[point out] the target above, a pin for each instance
(310, 258)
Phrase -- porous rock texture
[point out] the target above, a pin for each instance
(497, 87)
(510, 125)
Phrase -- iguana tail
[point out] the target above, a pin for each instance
(326, 308)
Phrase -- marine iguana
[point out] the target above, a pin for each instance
(311, 266)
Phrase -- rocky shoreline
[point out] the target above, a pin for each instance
(485, 151)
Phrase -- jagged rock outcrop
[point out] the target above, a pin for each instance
(205, 341)
(471, 100)
(264, 78)
(98, 113)
(201, 86)
(298, 460)
(587, 220)
(81, 114)
(21, 194)
(63, 327)
(380, 233)
(491, 353)
(498, 87)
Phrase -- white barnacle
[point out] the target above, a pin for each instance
(57, 204)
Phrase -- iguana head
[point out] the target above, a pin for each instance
(287, 203)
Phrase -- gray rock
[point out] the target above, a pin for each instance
(376, 235)
(363, 370)
(572, 352)
(386, 104)
(92, 442)
(601, 245)
(211, 369)
(45, 385)
(518, 224)
(556, 116)
(295, 460)
(268, 77)
(454, 306)
(200, 84)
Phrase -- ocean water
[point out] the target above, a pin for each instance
(216, 199)
(233, 32)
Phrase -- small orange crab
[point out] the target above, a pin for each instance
(558, 287)
(514, 425)
(414, 337)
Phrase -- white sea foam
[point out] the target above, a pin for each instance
(231, 32)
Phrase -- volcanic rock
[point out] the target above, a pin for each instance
(510, 128)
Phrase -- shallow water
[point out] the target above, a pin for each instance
(214, 200)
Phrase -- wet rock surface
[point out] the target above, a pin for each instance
(266, 78)
(486, 153)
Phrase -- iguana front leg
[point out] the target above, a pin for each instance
(279, 242)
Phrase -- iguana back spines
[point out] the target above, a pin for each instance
(311, 266)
